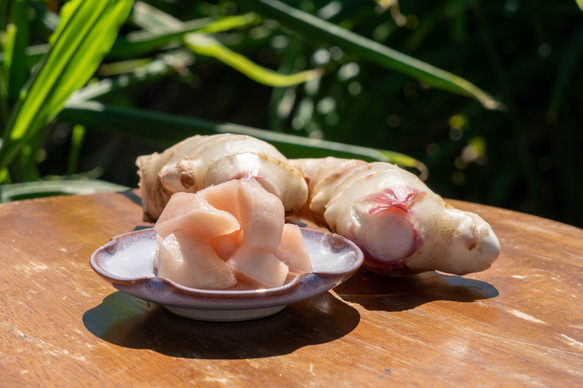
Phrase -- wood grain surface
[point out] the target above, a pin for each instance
(520, 323)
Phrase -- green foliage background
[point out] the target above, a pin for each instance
(507, 131)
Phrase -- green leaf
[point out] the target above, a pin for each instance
(154, 20)
(21, 191)
(232, 22)
(147, 125)
(4, 175)
(319, 29)
(202, 44)
(85, 34)
(580, 4)
(3, 103)
(208, 46)
(161, 29)
(151, 18)
(77, 136)
(17, 33)
(140, 42)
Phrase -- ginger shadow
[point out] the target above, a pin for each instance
(385, 293)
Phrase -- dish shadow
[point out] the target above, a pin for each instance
(391, 294)
(124, 320)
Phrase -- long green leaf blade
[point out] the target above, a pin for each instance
(140, 42)
(227, 23)
(155, 20)
(208, 46)
(161, 29)
(147, 124)
(85, 34)
(150, 18)
(14, 54)
(368, 49)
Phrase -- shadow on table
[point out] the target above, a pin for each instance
(385, 293)
(132, 196)
(127, 321)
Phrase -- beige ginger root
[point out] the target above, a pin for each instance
(399, 223)
(202, 161)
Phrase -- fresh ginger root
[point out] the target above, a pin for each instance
(202, 161)
(400, 224)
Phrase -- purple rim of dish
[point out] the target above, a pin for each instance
(163, 291)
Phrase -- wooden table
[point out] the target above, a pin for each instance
(518, 324)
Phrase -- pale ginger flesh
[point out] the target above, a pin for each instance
(399, 223)
(228, 235)
(202, 161)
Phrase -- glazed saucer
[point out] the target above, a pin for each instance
(128, 263)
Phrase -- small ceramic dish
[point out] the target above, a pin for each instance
(128, 263)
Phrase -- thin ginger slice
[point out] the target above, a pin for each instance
(292, 250)
(190, 212)
(191, 262)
